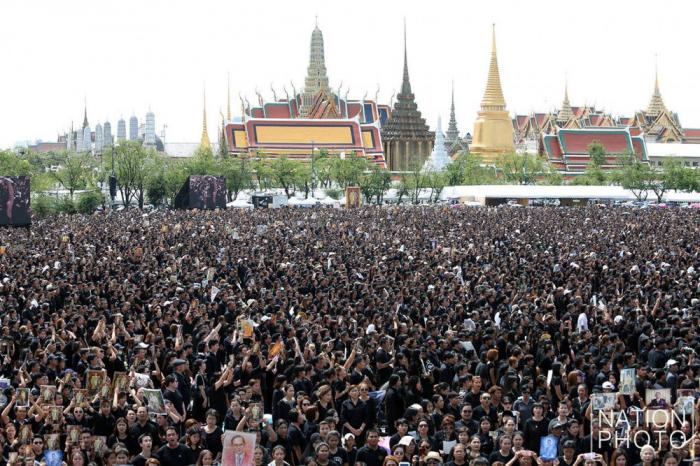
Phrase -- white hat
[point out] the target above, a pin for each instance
(618, 319)
(348, 435)
(608, 386)
(406, 440)
(371, 329)
(671, 362)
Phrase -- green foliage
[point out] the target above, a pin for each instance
(202, 162)
(75, 173)
(283, 173)
(374, 184)
(635, 176)
(519, 169)
(593, 176)
(467, 169)
(238, 175)
(65, 205)
(303, 178)
(347, 172)
(89, 201)
(334, 193)
(264, 175)
(43, 205)
(12, 164)
(130, 161)
(596, 152)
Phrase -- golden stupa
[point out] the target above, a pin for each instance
(493, 129)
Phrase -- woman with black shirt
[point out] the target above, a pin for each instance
(353, 414)
(211, 435)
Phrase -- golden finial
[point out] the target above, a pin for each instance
(204, 142)
(493, 96)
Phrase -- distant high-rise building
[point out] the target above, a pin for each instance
(149, 136)
(107, 131)
(79, 140)
(121, 130)
(87, 139)
(133, 128)
(99, 138)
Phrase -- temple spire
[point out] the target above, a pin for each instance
(493, 96)
(566, 112)
(406, 83)
(316, 78)
(204, 141)
(452, 133)
(656, 104)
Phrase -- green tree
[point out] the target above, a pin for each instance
(416, 180)
(596, 152)
(238, 175)
(88, 202)
(263, 172)
(12, 164)
(203, 162)
(519, 169)
(402, 189)
(303, 178)
(374, 184)
(467, 169)
(75, 173)
(283, 172)
(593, 176)
(635, 176)
(130, 162)
(436, 181)
(323, 166)
(347, 172)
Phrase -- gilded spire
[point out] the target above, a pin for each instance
(406, 83)
(493, 96)
(566, 113)
(228, 96)
(656, 104)
(204, 142)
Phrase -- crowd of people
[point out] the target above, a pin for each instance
(377, 336)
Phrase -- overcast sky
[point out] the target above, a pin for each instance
(126, 56)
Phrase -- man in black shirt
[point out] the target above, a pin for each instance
(174, 453)
(146, 443)
(144, 426)
(372, 454)
(172, 394)
(103, 422)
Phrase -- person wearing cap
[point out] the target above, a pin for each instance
(184, 386)
(672, 377)
(432, 458)
(523, 405)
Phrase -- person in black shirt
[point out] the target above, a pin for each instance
(535, 428)
(174, 453)
(372, 454)
(504, 452)
(146, 443)
(171, 393)
(144, 426)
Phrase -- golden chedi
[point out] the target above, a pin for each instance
(493, 129)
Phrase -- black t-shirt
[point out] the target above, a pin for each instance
(371, 457)
(176, 399)
(340, 456)
(383, 374)
(497, 456)
(178, 456)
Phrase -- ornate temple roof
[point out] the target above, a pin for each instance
(406, 121)
(656, 104)
(566, 113)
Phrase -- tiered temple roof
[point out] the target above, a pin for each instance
(407, 138)
(453, 142)
(567, 150)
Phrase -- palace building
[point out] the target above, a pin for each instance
(317, 118)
